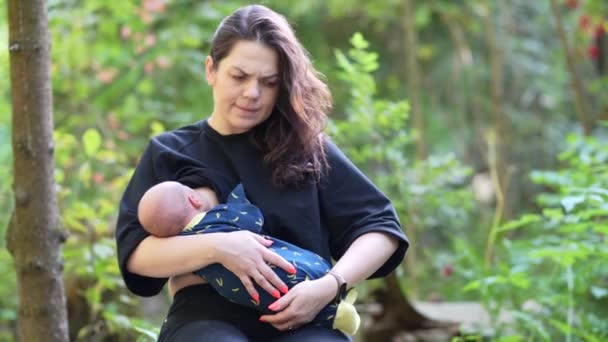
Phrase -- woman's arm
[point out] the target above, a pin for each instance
(145, 262)
(364, 256)
(364, 236)
(243, 253)
(167, 257)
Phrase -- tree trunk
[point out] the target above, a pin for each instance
(413, 78)
(398, 315)
(500, 134)
(413, 86)
(34, 237)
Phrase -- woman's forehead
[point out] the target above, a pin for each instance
(252, 58)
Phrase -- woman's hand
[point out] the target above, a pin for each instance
(302, 303)
(247, 256)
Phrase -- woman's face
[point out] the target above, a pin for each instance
(245, 87)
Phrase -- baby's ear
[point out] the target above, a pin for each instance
(194, 201)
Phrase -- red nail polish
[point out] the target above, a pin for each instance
(284, 289)
(262, 320)
(272, 306)
(276, 294)
(256, 297)
(292, 270)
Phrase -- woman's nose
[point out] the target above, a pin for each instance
(253, 90)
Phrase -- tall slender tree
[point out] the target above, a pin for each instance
(34, 236)
(413, 86)
(413, 77)
(498, 136)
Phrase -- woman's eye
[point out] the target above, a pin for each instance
(238, 77)
(270, 84)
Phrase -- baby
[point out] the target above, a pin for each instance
(171, 208)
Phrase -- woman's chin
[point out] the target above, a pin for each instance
(242, 125)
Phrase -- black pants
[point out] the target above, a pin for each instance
(199, 314)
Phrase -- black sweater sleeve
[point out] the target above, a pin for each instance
(352, 206)
(162, 160)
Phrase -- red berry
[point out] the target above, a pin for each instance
(571, 4)
(447, 270)
(98, 178)
(599, 30)
(583, 22)
(593, 51)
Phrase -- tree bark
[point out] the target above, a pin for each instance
(398, 315)
(34, 237)
(413, 86)
(501, 127)
(413, 78)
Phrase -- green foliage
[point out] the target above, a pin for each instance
(87, 202)
(562, 250)
(429, 194)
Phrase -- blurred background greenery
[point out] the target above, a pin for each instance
(486, 122)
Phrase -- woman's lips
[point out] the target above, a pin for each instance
(246, 109)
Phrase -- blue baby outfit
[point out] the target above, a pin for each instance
(239, 214)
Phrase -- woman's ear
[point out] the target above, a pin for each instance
(210, 70)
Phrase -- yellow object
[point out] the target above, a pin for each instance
(347, 319)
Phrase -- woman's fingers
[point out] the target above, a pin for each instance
(269, 274)
(283, 320)
(250, 263)
(250, 288)
(275, 259)
(264, 241)
(281, 304)
(261, 280)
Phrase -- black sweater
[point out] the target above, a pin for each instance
(324, 218)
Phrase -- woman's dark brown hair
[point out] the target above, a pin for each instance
(291, 138)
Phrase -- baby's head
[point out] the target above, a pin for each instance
(166, 208)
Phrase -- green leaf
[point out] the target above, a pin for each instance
(533, 323)
(570, 202)
(422, 16)
(157, 128)
(510, 338)
(599, 292)
(474, 285)
(563, 327)
(524, 220)
(555, 214)
(102, 250)
(358, 41)
(91, 139)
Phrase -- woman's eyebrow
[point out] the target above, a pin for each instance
(263, 77)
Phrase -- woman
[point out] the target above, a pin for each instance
(265, 131)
